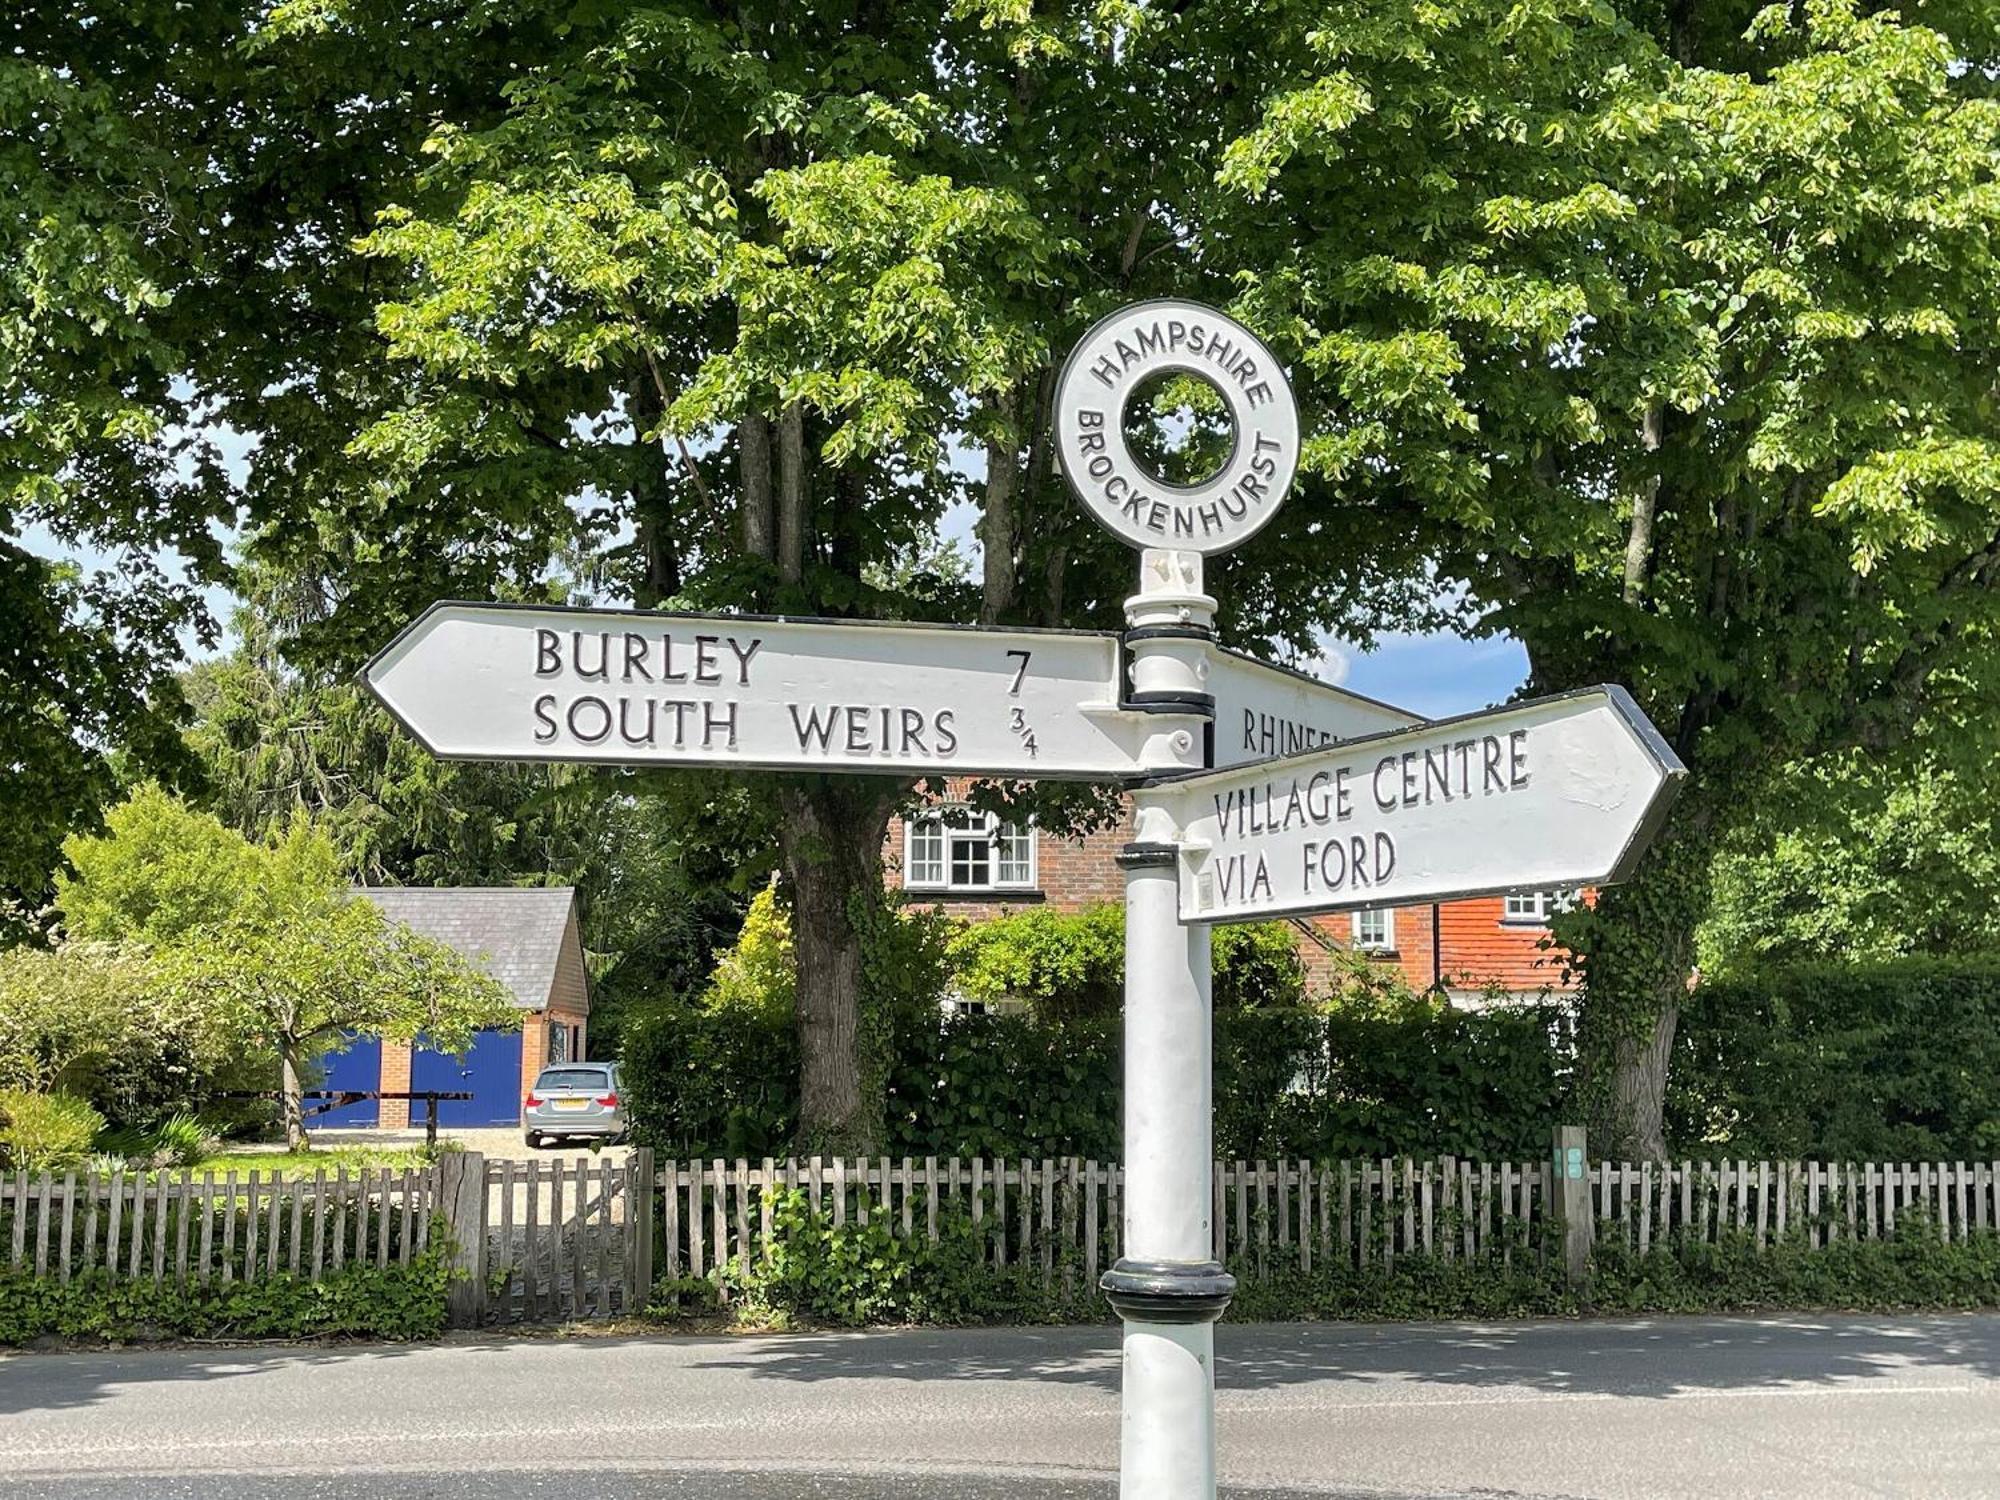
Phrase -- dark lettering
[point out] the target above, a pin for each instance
(603, 669)
(707, 666)
(604, 711)
(813, 728)
(1387, 804)
(635, 657)
(711, 721)
(625, 726)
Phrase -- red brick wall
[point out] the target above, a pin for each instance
(1478, 950)
(395, 1113)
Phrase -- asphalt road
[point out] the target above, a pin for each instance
(1678, 1409)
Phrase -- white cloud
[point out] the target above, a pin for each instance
(1331, 665)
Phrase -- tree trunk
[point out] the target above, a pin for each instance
(1635, 953)
(1645, 501)
(754, 458)
(1639, 1087)
(996, 523)
(292, 1105)
(831, 840)
(792, 493)
(658, 533)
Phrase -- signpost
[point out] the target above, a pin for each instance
(1324, 799)
(500, 682)
(1553, 792)
(1264, 711)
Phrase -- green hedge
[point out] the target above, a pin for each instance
(392, 1302)
(1897, 1060)
(1401, 1077)
(854, 1275)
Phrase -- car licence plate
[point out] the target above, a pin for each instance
(570, 1103)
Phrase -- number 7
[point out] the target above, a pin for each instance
(1014, 691)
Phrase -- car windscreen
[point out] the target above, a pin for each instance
(573, 1078)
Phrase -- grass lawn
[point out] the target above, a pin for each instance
(304, 1163)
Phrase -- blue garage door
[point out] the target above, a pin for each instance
(359, 1067)
(491, 1071)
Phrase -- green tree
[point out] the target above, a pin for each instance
(1869, 861)
(103, 458)
(1673, 334)
(159, 870)
(269, 939)
(93, 1020)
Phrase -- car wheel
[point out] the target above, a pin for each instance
(534, 1140)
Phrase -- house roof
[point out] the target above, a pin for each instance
(514, 933)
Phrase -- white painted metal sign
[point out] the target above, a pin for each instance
(1556, 792)
(1099, 379)
(494, 682)
(1264, 711)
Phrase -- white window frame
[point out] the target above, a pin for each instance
(1534, 908)
(985, 826)
(1386, 943)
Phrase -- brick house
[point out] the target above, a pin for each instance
(973, 867)
(525, 937)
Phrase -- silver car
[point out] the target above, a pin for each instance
(574, 1100)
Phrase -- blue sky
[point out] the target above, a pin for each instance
(1434, 675)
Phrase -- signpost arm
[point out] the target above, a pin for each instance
(1167, 1287)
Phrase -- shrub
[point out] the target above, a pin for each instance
(850, 1275)
(384, 1302)
(1072, 964)
(94, 1020)
(700, 1081)
(757, 974)
(1006, 1085)
(1061, 963)
(1848, 1061)
(1257, 967)
(46, 1132)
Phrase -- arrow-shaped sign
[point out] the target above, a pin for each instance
(1264, 711)
(502, 682)
(1554, 792)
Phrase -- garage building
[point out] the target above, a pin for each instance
(528, 939)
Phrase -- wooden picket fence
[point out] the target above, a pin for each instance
(1700, 1202)
(1062, 1217)
(552, 1239)
(163, 1226)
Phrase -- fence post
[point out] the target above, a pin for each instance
(462, 1198)
(639, 1231)
(1571, 1202)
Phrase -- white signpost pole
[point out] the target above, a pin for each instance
(1168, 1286)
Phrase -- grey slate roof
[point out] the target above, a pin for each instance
(513, 933)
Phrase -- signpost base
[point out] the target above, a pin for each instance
(1166, 1445)
(1167, 1286)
